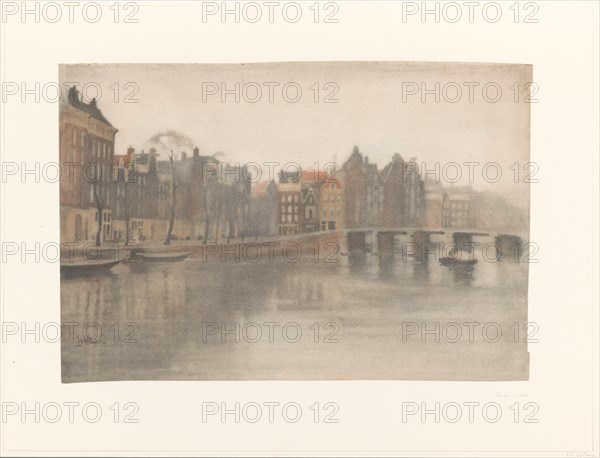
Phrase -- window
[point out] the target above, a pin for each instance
(296, 198)
(295, 208)
(82, 138)
(283, 209)
(324, 213)
(289, 198)
(283, 198)
(289, 218)
(74, 136)
(295, 218)
(332, 212)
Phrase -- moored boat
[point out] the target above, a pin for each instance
(87, 267)
(457, 262)
(163, 257)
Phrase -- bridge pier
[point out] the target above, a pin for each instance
(385, 247)
(463, 240)
(510, 246)
(385, 243)
(357, 245)
(421, 241)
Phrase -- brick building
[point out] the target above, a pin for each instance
(86, 151)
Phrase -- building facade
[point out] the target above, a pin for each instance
(434, 205)
(459, 208)
(86, 151)
(403, 194)
(263, 209)
(289, 197)
(331, 205)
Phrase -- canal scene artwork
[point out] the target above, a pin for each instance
(295, 221)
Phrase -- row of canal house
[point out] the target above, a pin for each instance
(392, 197)
(212, 199)
(309, 201)
(358, 196)
(108, 197)
(131, 193)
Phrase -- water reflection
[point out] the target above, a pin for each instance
(367, 299)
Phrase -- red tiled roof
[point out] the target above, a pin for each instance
(127, 158)
(332, 180)
(314, 175)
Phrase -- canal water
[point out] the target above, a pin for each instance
(305, 320)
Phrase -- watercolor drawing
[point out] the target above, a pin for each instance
(295, 221)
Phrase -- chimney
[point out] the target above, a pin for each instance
(196, 152)
(93, 103)
(152, 161)
(366, 160)
(73, 95)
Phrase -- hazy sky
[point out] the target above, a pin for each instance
(375, 111)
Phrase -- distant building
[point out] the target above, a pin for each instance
(331, 204)
(356, 172)
(393, 197)
(212, 198)
(458, 207)
(374, 194)
(311, 182)
(403, 194)
(86, 150)
(434, 205)
(263, 209)
(289, 197)
(136, 197)
(492, 212)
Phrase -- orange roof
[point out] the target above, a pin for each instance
(314, 175)
(127, 158)
(330, 181)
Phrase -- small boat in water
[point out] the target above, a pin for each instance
(163, 257)
(87, 267)
(457, 262)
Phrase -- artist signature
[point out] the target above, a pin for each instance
(87, 340)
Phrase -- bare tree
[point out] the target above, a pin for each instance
(128, 180)
(205, 208)
(99, 206)
(173, 203)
